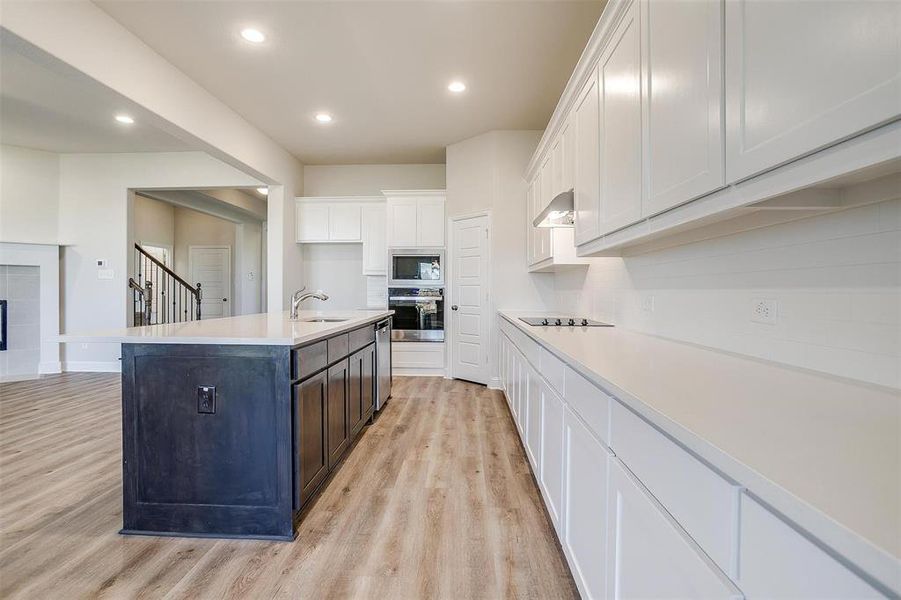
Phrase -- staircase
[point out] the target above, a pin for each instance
(159, 295)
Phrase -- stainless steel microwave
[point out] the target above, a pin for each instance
(418, 268)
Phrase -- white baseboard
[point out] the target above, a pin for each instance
(417, 372)
(18, 377)
(50, 368)
(92, 366)
(494, 383)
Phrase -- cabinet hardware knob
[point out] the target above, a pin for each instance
(454, 307)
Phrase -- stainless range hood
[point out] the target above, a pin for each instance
(559, 213)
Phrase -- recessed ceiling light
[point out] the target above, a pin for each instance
(456, 86)
(324, 118)
(263, 191)
(125, 119)
(253, 35)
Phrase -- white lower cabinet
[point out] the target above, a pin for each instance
(552, 438)
(533, 423)
(652, 556)
(778, 562)
(584, 538)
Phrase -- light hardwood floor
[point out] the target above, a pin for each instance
(435, 501)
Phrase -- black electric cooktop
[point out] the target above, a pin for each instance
(562, 322)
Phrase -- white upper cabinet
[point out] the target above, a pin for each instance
(586, 187)
(547, 183)
(345, 222)
(804, 75)
(568, 157)
(402, 220)
(375, 244)
(311, 222)
(328, 220)
(415, 221)
(654, 557)
(538, 238)
(682, 50)
(619, 82)
(430, 222)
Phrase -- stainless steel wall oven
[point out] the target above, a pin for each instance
(418, 314)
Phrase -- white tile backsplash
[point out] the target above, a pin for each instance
(835, 278)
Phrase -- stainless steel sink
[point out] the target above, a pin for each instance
(322, 320)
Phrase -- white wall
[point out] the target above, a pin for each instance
(836, 280)
(29, 196)
(370, 180)
(95, 208)
(154, 222)
(486, 173)
(86, 38)
(337, 269)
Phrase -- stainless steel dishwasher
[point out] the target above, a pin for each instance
(383, 362)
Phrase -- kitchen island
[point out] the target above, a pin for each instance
(231, 426)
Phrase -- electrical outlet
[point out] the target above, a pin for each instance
(763, 310)
(206, 399)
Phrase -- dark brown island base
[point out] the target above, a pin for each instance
(234, 440)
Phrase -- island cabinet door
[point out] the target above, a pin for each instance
(338, 421)
(310, 450)
(367, 394)
(355, 392)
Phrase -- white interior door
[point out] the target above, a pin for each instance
(211, 268)
(469, 294)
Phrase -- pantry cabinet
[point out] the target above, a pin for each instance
(682, 102)
(415, 219)
(655, 558)
(803, 75)
(619, 84)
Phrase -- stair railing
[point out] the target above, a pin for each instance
(159, 295)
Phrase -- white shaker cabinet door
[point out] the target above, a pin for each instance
(430, 222)
(312, 222)
(801, 75)
(651, 556)
(533, 426)
(587, 178)
(683, 101)
(585, 468)
(344, 222)
(402, 218)
(778, 563)
(375, 244)
(619, 84)
(552, 434)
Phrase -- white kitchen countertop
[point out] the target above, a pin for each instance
(825, 451)
(269, 329)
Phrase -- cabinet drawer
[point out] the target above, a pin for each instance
(551, 368)
(338, 347)
(361, 337)
(704, 503)
(589, 402)
(308, 360)
(777, 562)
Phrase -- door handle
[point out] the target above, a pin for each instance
(454, 307)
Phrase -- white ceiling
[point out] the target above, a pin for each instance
(381, 68)
(47, 105)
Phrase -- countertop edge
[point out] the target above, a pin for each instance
(841, 541)
(338, 328)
